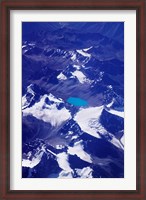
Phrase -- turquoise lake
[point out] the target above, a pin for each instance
(77, 101)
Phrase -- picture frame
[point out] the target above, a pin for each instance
(6, 7)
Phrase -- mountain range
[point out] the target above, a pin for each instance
(72, 100)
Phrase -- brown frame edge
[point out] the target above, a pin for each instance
(6, 7)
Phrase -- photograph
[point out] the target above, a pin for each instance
(72, 111)
(73, 99)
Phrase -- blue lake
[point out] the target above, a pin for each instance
(77, 101)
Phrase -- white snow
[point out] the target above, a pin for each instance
(74, 137)
(84, 53)
(59, 146)
(117, 143)
(123, 139)
(78, 150)
(73, 58)
(23, 46)
(54, 154)
(62, 159)
(61, 76)
(31, 44)
(86, 117)
(77, 67)
(25, 103)
(87, 48)
(70, 132)
(86, 172)
(88, 120)
(48, 113)
(115, 112)
(110, 87)
(29, 89)
(65, 174)
(53, 98)
(81, 77)
(110, 104)
(35, 160)
(100, 76)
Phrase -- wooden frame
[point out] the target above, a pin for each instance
(6, 7)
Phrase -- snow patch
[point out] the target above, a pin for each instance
(35, 160)
(65, 174)
(61, 76)
(31, 44)
(48, 113)
(23, 46)
(88, 48)
(62, 159)
(122, 139)
(86, 172)
(70, 132)
(86, 117)
(25, 102)
(73, 58)
(117, 143)
(84, 53)
(77, 67)
(51, 152)
(110, 104)
(80, 76)
(74, 137)
(115, 112)
(59, 146)
(78, 150)
(53, 98)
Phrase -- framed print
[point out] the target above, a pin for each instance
(72, 100)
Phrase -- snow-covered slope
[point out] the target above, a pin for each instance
(48, 112)
(88, 120)
(28, 97)
(78, 149)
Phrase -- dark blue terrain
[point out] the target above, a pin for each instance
(73, 100)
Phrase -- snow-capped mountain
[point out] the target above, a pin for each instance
(73, 101)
